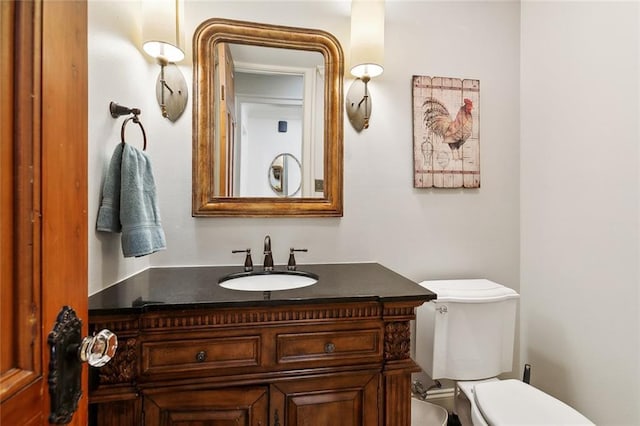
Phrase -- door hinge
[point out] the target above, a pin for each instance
(222, 92)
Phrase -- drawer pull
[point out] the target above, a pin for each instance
(329, 348)
(201, 356)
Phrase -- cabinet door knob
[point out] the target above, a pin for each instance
(329, 347)
(201, 356)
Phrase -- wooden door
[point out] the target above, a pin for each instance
(347, 400)
(43, 216)
(226, 121)
(220, 407)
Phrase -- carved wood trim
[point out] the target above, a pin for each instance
(115, 323)
(397, 340)
(123, 366)
(398, 311)
(222, 318)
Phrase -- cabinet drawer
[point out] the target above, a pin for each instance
(200, 354)
(334, 345)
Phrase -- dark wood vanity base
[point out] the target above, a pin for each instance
(334, 359)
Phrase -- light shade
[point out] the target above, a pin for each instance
(367, 38)
(162, 36)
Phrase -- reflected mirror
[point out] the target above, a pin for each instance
(266, 97)
(285, 175)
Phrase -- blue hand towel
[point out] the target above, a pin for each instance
(142, 232)
(109, 212)
(139, 217)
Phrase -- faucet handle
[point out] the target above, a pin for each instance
(248, 263)
(291, 265)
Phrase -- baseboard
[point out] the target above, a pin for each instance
(440, 394)
(443, 397)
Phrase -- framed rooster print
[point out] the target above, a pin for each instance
(446, 132)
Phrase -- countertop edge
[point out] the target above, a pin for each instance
(161, 307)
(189, 288)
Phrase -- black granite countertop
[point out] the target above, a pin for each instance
(197, 287)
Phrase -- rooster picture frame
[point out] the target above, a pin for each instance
(446, 132)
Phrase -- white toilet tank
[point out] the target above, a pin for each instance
(467, 333)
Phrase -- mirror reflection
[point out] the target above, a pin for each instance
(263, 90)
(285, 175)
(273, 103)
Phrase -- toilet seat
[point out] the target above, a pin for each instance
(512, 402)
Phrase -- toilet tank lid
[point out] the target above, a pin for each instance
(469, 291)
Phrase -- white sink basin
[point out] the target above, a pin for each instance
(268, 281)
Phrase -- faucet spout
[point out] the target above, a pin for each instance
(268, 257)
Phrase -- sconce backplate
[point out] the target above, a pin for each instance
(175, 100)
(358, 107)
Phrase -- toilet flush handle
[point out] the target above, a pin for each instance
(442, 309)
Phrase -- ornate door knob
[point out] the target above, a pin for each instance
(98, 350)
(68, 350)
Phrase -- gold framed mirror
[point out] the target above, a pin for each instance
(221, 168)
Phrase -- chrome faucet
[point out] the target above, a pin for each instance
(268, 258)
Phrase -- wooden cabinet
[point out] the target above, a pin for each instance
(246, 406)
(204, 355)
(339, 364)
(349, 400)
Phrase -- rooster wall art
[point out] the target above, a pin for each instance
(446, 136)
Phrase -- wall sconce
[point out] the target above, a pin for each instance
(367, 57)
(162, 39)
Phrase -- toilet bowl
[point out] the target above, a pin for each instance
(425, 413)
(512, 402)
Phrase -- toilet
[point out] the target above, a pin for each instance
(426, 413)
(467, 335)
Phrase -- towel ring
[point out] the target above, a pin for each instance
(137, 121)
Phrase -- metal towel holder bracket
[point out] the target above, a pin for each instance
(119, 110)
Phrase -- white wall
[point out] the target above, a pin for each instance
(117, 72)
(419, 233)
(262, 143)
(579, 204)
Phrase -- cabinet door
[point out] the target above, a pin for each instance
(346, 400)
(221, 407)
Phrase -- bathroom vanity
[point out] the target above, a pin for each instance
(192, 352)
